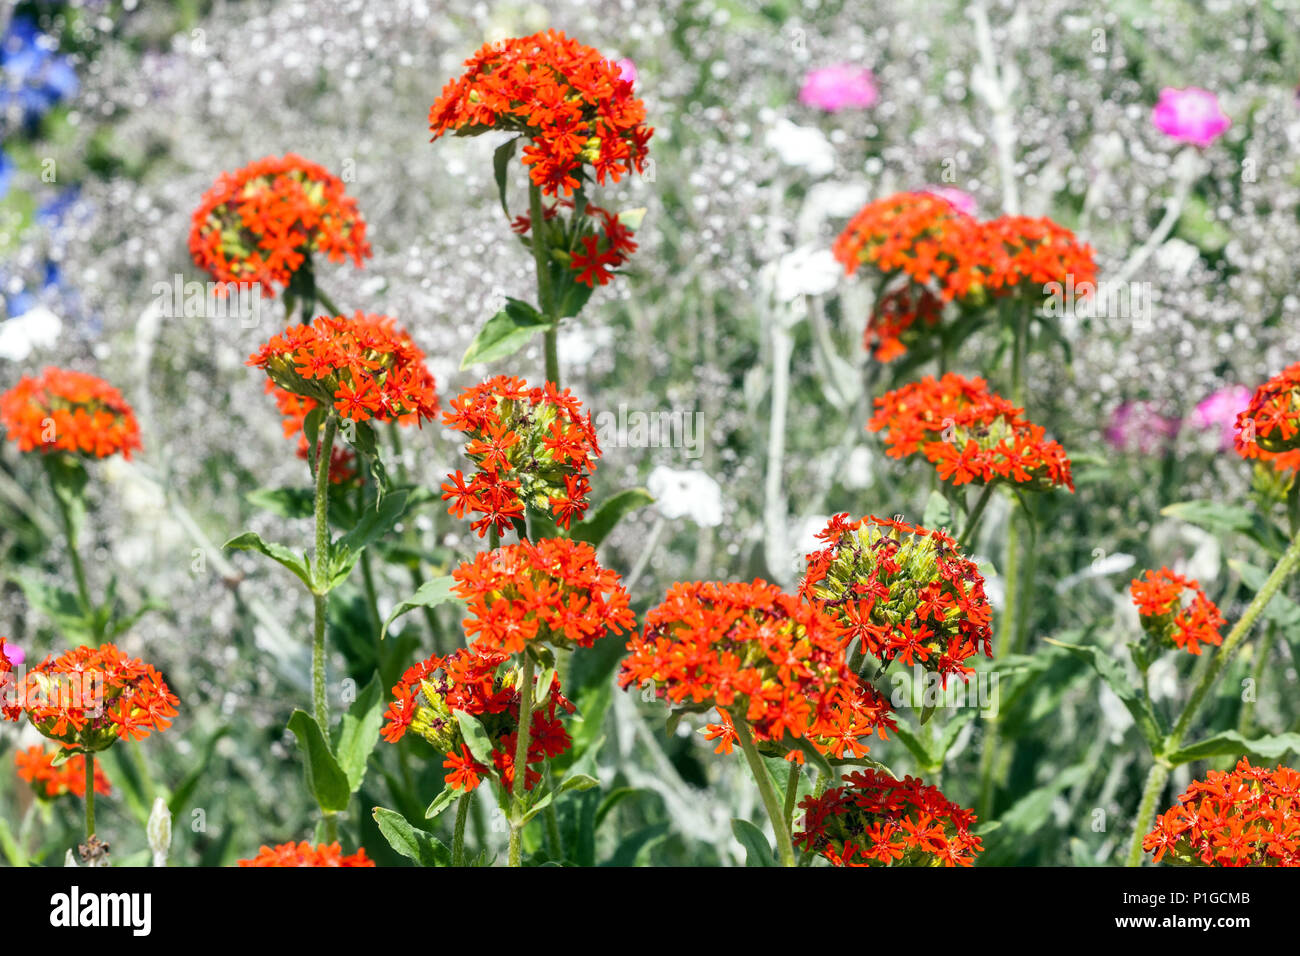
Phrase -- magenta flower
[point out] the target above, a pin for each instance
(13, 654)
(1190, 116)
(839, 87)
(626, 69)
(1141, 428)
(1220, 410)
(959, 199)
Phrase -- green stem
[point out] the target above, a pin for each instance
(521, 760)
(554, 844)
(791, 791)
(326, 301)
(1155, 785)
(90, 796)
(780, 826)
(1262, 652)
(320, 571)
(544, 304)
(1286, 566)
(458, 838)
(972, 522)
(78, 569)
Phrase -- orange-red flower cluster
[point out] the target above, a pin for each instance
(572, 104)
(1269, 428)
(531, 446)
(928, 253)
(87, 698)
(11, 707)
(889, 327)
(1023, 254)
(471, 681)
(593, 248)
(295, 409)
(969, 434)
(552, 592)
(364, 366)
(257, 226)
(63, 410)
(875, 820)
(761, 656)
(918, 235)
(36, 766)
(1247, 817)
(905, 592)
(304, 854)
(1169, 618)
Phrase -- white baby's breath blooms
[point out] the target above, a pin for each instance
(37, 328)
(686, 494)
(804, 147)
(806, 271)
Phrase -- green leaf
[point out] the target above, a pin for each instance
(68, 479)
(501, 157)
(325, 778)
(1109, 670)
(476, 738)
(938, 513)
(505, 333)
(1230, 743)
(293, 503)
(1221, 517)
(430, 594)
(578, 781)
(1281, 610)
(416, 845)
(180, 797)
(914, 743)
(60, 606)
(758, 852)
(358, 732)
(9, 846)
(598, 526)
(362, 437)
(298, 564)
(373, 525)
(573, 298)
(811, 753)
(442, 801)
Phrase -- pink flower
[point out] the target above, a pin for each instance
(839, 87)
(14, 655)
(1219, 410)
(1139, 427)
(1190, 116)
(959, 199)
(626, 69)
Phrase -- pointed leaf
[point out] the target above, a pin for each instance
(758, 852)
(430, 594)
(416, 845)
(599, 524)
(325, 778)
(358, 732)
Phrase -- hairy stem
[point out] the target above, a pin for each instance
(458, 837)
(780, 825)
(90, 796)
(521, 760)
(544, 303)
(320, 572)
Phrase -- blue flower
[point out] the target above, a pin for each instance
(6, 173)
(33, 76)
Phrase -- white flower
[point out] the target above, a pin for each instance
(36, 328)
(686, 494)
(859, 469)
(1177, 256)
(806, 271)
(804, 536)
(802, 146)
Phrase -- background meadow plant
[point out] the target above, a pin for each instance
(730, 306)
